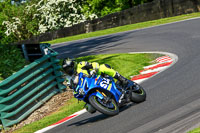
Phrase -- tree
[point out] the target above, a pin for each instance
(105, 7)
(45, 15)
(7, 11)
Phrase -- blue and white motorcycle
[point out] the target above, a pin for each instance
(103, 94)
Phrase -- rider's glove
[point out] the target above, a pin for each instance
(92, 73)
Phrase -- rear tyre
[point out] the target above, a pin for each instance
(139, 95)
(110, 108)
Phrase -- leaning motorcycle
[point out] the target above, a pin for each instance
(102, 93)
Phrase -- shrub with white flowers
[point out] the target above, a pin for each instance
(11, 25)
(45, 16)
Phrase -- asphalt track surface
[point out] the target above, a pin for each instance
(172, 96)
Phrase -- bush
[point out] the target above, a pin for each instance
(21, 22)
(11, 60)
(6, 12)
(105, 7)
(15, 23)
(36, 17)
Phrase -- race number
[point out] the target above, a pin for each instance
(105, 83)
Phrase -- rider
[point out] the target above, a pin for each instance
(72, 68)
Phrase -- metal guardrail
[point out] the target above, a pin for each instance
(29, 88)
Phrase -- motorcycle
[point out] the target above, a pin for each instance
(102, 93)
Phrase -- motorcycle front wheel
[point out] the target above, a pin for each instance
(108, 108)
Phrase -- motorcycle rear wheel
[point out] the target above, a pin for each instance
(139, 95)
(110, 108)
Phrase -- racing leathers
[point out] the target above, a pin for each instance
(88, 68)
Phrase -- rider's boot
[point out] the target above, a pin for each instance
(121, 79)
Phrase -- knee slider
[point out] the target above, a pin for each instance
(108, 66)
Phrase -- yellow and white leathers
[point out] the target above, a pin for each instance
(86, 67)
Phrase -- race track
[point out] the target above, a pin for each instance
(173, 96)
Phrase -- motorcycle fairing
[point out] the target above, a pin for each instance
(86, 84)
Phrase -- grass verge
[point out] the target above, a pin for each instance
(126, 28)
(126, 64)
(197, 130)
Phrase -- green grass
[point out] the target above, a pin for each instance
(126, 64)
(1, 78)
(197, 130)
(126, 28)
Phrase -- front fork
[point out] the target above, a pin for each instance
(106, 99)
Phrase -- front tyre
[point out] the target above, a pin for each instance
(138, 95)
(108, 108)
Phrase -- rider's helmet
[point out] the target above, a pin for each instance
(69, 66)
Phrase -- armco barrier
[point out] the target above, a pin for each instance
(27, 89)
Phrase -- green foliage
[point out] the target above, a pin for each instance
(6, 12)
(25, 27)
(9, 13)
(20, 22)
(11, 60)
(105, 7)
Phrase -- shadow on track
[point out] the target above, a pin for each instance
(100, 117)
(93, 46)
(129, 105)
(90, 120)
